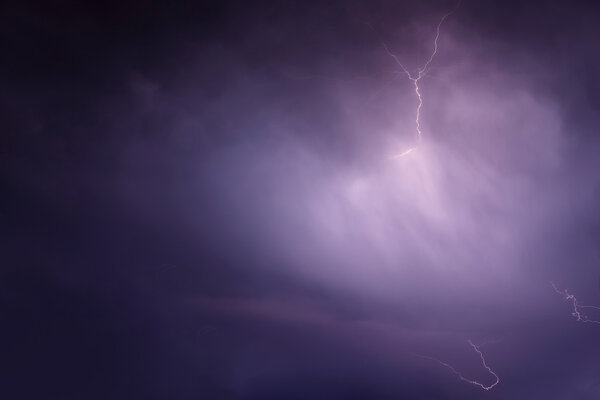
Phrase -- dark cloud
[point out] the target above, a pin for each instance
(199, 200)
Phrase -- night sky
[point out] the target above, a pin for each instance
(201, 200)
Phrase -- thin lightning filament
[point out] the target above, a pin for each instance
(471, 381)
(420, 73)
(578, 309)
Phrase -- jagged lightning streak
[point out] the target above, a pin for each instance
(463, 378)
(421, 72)
(577, 312)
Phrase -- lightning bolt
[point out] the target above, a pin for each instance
(415, 78)
(577, 308)
(463, 378)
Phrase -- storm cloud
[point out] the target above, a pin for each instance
(202, 200)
